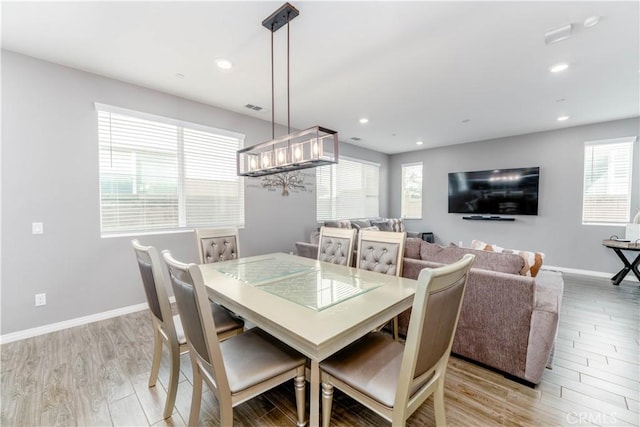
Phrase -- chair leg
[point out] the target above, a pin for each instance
(226, 415)
(438, 403)
(395, 329)
(157, 357)
(196, 397)
(300, 386)
(174, 376)
(327, 401)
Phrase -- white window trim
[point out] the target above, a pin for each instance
(100, 107)
(402, 166)
(627, 139)
(333, 183)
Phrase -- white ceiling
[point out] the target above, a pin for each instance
(415, 69)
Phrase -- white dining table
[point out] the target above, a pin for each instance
(315, 307)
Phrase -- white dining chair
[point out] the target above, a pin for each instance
(235, 370)
(336, 245)
(382, 252)
(167, 328)
(393, 379)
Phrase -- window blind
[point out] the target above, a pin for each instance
(163, 174)
(411, 194)
(348, 189)
(607, 181)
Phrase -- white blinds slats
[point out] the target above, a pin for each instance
(411, 203)
(607, 181)
(349, 189)
(157, 175)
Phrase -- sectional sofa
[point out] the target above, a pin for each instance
(508, 321)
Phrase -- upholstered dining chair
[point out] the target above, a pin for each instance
(382, 252)
(393, 379)
(336, 245)
(237, 369)
(167, 328)
(217, 244)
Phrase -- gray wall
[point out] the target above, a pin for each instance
(557, 230)
(50, 174)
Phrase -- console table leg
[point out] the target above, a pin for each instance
(620, 275)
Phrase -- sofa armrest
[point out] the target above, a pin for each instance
(307, 250)
(544, 324)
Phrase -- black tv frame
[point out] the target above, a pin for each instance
(513, 191)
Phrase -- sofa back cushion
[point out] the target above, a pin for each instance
(412, 247)
(506, 263)
(533, 260)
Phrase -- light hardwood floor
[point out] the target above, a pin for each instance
(96, 375)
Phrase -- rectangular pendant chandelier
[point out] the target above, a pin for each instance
(316, 146)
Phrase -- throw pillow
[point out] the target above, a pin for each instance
(532, 260)
(396, 224)
(359, 224)
(339, 223)
(382, 225)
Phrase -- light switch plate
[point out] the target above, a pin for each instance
(37, 228)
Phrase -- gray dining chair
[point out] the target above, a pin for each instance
(217, 244)
(336, 245)
(382, 252)
(393, 379)
(238, 369)
(167, 328)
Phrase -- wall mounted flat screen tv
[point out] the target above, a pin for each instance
(497, 192)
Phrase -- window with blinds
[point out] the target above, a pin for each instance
(163, 174)
(607, 181)
(411, 203)
(348, 189)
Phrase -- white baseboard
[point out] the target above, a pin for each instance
(604, 275)
(78, 321)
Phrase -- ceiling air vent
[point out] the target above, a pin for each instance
(253, 107)
(355, 138)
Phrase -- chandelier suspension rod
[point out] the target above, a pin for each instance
(288, 82)
(273, 111)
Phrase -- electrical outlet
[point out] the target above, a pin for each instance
(41, 299)
(37, 228)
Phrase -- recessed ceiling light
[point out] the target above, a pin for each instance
(224, 64)
(364, 120)
(591, 21)
(419, 143)
(563, 118)
(559, 67)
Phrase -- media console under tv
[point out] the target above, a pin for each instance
(488, 218)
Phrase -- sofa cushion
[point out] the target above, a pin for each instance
(338, 223)
(360, 223)
(383, 225)
(506, 263)
(533, 260)
(412, 247)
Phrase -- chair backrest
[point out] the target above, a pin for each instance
(154, 282)
(217, 244)
(434, 318)
(197, 321)
(336, 245)
(381, 251)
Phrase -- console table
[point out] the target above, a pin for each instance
(618, 247)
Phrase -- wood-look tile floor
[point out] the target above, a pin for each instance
(96, 375)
